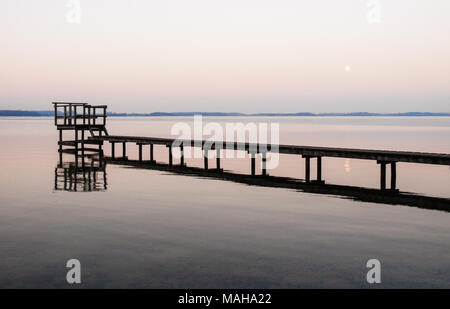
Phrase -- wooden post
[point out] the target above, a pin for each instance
(60, 147)
(100, 148)
(60, 139)
(182, 155)
(205, 159)
(76, 142)
(105, 183)
(151, 154)
(383, 175)
(56, 178)
(70, 114)
(89, 177)
(170, 156)
(218, 158)
(65, 179)
(113, 150)
(253, 159)
(82, 147)
(124, 150)
(75, 114)
(56, 113)
(308, 169)
(94, 119)
(393, 175)
(319, 169)
(65, 115)
(140, 152)
(264, 164)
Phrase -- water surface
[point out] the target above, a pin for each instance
(157, 229)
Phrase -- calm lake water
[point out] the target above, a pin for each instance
(161, 230)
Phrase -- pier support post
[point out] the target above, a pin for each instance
(82, 139)
(75, 179)
(113, 150)
(82, 147)
(60, 147)
(76, 148)
(170, 156)
(182, 155)
(105, 183)
(124, 150)
(264, 164)
(218, 158)
(382, 175)
(393, 175)
(151, 154)
(205, 158)
(308, 169)
(253, 159)
(100, 148)
(319, 169)
(140, 152)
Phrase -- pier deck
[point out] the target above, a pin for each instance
(311, 151)
(382, 157)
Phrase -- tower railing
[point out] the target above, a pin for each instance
(77, 114)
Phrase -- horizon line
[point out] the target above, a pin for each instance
(45, 113)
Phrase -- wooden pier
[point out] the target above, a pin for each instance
(81, 117)
(382, 157)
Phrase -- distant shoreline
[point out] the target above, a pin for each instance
(24, 113)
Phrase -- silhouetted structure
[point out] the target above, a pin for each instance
(382, 157)
(68, 118)
(90, 177)
(78, 119)
(87, 172)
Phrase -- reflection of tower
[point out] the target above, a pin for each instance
(88, 171)
(90, 177)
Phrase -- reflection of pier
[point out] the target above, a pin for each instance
(350, 192)
(72, 177)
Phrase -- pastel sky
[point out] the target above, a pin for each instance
(227, 55)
